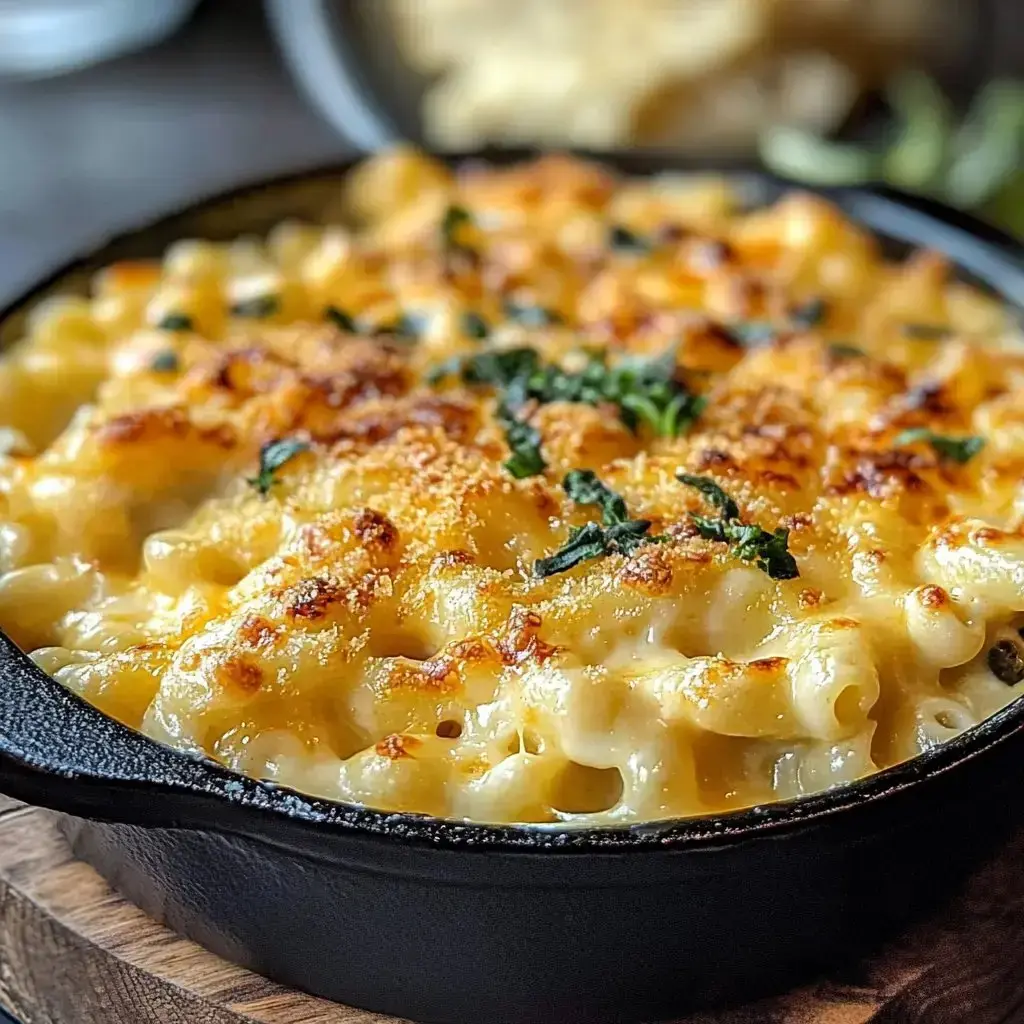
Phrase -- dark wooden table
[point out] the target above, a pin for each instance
(73, 952)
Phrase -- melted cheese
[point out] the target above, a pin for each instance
(371, 629)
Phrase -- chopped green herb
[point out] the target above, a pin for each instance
(752, 334)
(954, 449)
(618, 534)
(455, 218)
(273, 455)
(475, 326)
(1005, 662)
(257, 308)
(585, 488)
(584, 543)
(626, 537)
(176, 322)
(165, 362)
(524, 443)
(531, 316)
(674, 419)
(839, 351)
(500, 368)
(644, 390)
(409, 326)
(442, 371)
(927, 332)
(713, 493)
(342, 320)
(769, 551)
(621, 239)
(810, 314)
(682, 412)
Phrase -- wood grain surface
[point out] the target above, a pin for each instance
(73, 952)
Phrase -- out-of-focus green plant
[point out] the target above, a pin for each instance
(976, 164)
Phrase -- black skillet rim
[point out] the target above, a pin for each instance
(207, 779)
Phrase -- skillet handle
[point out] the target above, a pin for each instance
(60, 752)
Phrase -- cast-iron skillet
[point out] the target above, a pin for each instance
(453, 922)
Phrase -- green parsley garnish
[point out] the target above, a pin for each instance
(454, 219)
(498, 368)
(273, 455)
(409, 326)
(524, 443)
(165, 362)
(175, 322)
(927, 332)
(616, 534)
(840, 351)
(585, 488)
(623, 240)
(342, 320)
(257, 308)
(645, 391)
(475, 326)
(751, 334)
(810, 314)
(593, 541)
(769, 551)
(530, 316)
(712, 492)
(755, 333)
(584, 543)
(954, 449)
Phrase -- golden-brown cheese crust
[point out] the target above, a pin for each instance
(371, 628)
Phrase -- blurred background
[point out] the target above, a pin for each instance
(112, 111)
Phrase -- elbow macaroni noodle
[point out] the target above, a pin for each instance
(363, 621)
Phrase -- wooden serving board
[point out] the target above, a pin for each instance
(74, 952)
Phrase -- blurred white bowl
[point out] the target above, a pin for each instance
(39, 38)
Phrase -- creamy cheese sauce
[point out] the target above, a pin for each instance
(357, 612)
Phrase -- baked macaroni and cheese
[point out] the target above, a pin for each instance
(541, 495)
